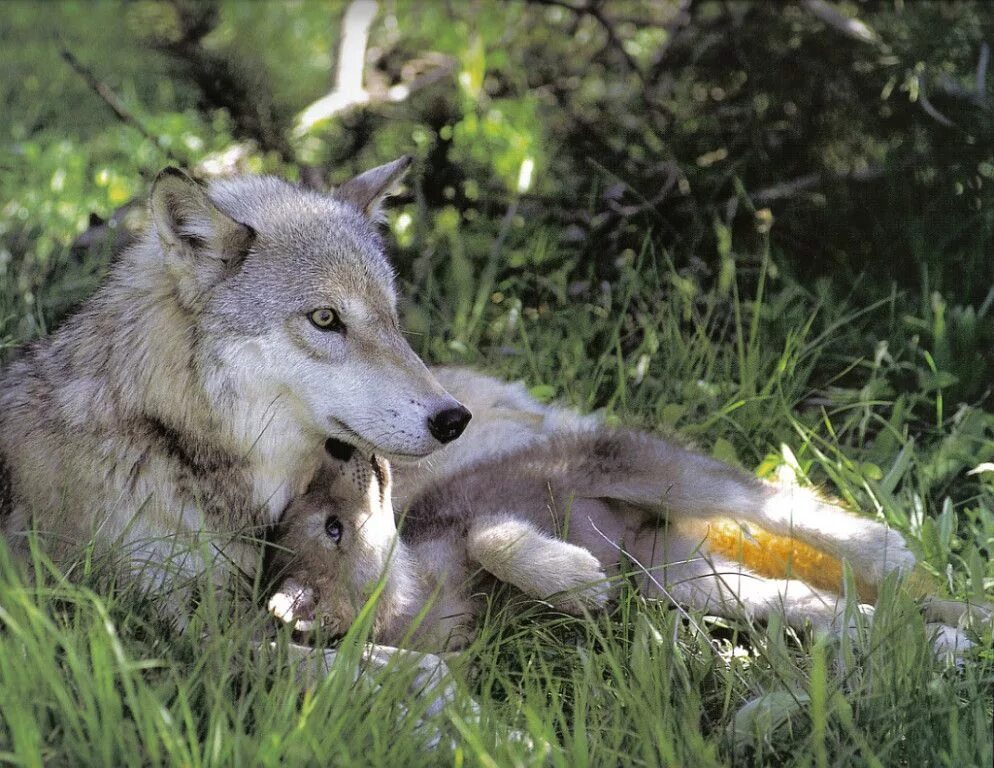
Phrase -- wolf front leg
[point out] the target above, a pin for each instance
(517, 552)
(431, 681)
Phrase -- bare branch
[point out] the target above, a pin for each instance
(402, 91)
(785, 189)
(773, 193)
(348, 91)
(950, 86)
(929, 109)
(791, 187)
(113, 101)
(833, 17)
(980, 85)
(592, 8)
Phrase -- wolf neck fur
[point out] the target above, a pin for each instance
(141, 347)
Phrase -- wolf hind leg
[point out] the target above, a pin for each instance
(726, 588)
(671, 482)
(945, 621)
(871, 548)
(517, 552)
(955, 612)
(948, 642)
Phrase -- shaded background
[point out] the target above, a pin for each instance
(835, 154)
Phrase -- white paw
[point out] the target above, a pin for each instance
(295, 605)
(948, 643)
(580, 582)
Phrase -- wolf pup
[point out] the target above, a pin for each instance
(190, 397)
(560, 519)
(508, 419)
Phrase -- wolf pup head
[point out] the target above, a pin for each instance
(334, 545)
(294, 306)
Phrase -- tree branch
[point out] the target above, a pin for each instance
(113, 101)
(348, 91)
(978, 95)
(980, 85)
(833, 17)
(929, 109)
(592, 8)
(231, 80)
(791, 187)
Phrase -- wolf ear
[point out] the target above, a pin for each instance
(367, 190)
(187, 221)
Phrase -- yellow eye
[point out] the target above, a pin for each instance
(326, 319)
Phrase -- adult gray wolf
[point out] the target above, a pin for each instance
(559, 506)
(187, 402)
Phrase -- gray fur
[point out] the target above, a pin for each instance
(558, 505)
(191, 395)
(6, 492)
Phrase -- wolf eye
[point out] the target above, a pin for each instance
(333, 527)
(326, 319)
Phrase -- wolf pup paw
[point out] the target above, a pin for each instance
(583, 585)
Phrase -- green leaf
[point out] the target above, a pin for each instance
(544, 393)
(725, 451)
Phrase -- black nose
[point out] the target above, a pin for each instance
(338, 450)
(447, 425)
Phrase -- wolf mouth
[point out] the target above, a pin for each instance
(350, 437)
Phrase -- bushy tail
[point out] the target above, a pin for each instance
(789, 527)
(785, 557)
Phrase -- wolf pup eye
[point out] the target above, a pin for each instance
(326, 319)
(333, 527)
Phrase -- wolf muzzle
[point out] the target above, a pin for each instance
(445, 426)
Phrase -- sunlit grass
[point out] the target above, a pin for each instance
(90, 675)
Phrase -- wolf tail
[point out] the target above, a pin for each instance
(788, 526)
(785, 557)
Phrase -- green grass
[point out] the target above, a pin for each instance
(882, 396)
(761, 372)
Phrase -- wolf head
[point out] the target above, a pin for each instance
(334, 545)
(295, 307)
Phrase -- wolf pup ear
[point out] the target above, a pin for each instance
(367, 190)
(187, 221)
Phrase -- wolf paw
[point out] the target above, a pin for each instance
(567, 576)
(957, 612)
(948, 643)
(581, 583)
(295, 605)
